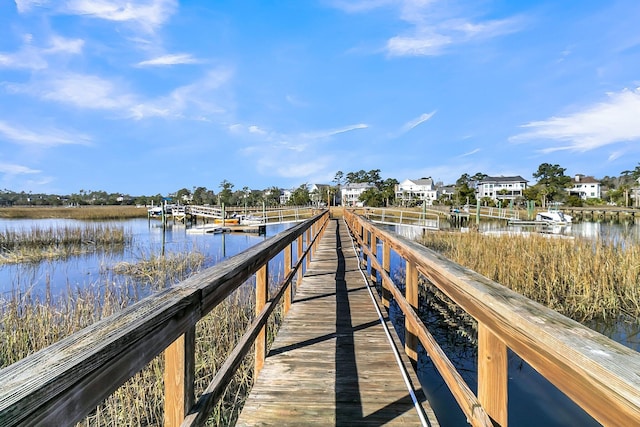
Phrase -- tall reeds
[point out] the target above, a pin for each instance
(580, 278)
(37, 243)
(29, 323)
(82, 212)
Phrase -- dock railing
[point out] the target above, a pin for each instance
(63, 383)
(599, 374)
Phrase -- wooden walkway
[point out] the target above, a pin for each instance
(331, 362)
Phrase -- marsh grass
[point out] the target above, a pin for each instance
(82, 212)
(38, 243)
(580, 278)
(29, 323)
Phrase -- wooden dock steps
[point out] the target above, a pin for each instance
(331, 362)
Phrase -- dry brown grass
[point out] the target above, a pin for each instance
(82, 212)
(582, 279)
(28, 324)
(38, 243)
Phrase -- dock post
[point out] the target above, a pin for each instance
(179, 377)
(411, 295)
(492, 375)
(386, 266)
(287, 270)
(262, 293)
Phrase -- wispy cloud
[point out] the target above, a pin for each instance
(170, 59)
(470, 153)
(44, 138)
(434, 25)
(331, 132)
(33, 57)
(417, 121)
(613, 121)
(79, 90)
(13, 169)
(189, 101)
(90, 92)
(147, 15)
(287, 155)
(25, 6)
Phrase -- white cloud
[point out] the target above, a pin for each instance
(331, 132)
(193, 100)
(470, 153)
(79, 90)
(149, 14)
(25, 6)
(434, 25)
(35, 58)
(256, 129)
(44, 137)
(60, 44)
(613, 121)
(170, 59)
(417, 121)
(12, 169)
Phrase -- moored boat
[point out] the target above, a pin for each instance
(554, 216)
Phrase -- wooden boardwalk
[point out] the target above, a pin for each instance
(332, 363)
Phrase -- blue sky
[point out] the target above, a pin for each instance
(150, 96)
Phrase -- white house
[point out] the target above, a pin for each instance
(412, 190)
(501, 187)
(285, 196)
(350, 193)
(585, 187)
(319, 193)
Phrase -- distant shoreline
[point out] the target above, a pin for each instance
(80, 212)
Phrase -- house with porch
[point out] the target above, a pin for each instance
(585, 187)
(506, 188)
(350, 193)
(412, 191)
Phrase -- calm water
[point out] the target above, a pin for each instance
(88, 270)
(533, 401)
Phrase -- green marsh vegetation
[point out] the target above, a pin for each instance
(580, 278)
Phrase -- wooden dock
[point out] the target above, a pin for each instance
(331, 362)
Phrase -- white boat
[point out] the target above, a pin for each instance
(208, 229)
(251, 220)
(554, 217)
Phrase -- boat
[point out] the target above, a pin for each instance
(227, 221)
(251, 220)
(553, 216)
(208, 229)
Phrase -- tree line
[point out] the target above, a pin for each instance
(550, 187)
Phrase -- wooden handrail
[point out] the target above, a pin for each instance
(59, 385)
(599, 374)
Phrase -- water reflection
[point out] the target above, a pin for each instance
(148, 239)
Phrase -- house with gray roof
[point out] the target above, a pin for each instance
(501, 187)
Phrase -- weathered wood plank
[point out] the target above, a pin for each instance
(331, 363)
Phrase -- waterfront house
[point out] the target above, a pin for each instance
(285, 196)
(585, 187)
(412, 191)
(319, 193)
(504, 188)
(350, 193)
